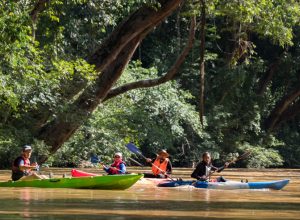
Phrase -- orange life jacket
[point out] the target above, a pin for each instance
(162, 166)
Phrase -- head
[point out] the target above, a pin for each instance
(162, 154)
(118, 156)
(206, 157)
(26, 151)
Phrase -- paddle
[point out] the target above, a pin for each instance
(133, 160)
(240, 157)
(131, 147)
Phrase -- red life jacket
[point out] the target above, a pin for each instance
(115, 167)
(161, 165)
(15, 165)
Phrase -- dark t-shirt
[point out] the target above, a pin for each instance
(203, 169)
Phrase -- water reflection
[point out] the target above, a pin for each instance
(143, 201)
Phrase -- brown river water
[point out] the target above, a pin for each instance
(145, 201)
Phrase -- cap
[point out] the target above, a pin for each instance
(163, 153)
(26, 147)
(118, 154)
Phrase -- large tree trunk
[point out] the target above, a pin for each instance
(139, 22)
(110, 60)
(59, 130)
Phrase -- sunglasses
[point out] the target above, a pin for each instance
(117, 156)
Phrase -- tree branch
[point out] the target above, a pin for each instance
(267, 77)
(39, 6)
(157, 81)
(144, 18)
(288, 114)
(280, 108)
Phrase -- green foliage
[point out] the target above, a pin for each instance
(264, 157)
(268, 18)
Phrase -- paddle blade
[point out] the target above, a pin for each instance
(133, 148)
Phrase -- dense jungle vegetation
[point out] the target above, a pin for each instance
(84, 77)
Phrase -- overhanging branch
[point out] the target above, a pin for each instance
(283, 105)
(289, 114)
(157, 81)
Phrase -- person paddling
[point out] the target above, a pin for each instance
(22, 168)
(161, 165)
(205, 168)
(117, 167)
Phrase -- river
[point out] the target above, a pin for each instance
(145, 201)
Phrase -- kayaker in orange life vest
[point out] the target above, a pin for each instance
(22, 168)
(161, 166)
(204, 168)
(117, 167)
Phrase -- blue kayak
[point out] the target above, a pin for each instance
(278, 184)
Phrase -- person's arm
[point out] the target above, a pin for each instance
(24, 167)
(169, 168)
(122, 169)
(105, 168)
(222, 167)
(149, 160)
(198, 173)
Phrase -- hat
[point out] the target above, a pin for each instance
(118, 154)
(26, 147)
(163, 153)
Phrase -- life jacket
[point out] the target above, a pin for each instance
(161, 165)
(15, 165)
(115, 167)
(17, 173)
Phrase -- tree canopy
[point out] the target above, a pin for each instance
(82, 77)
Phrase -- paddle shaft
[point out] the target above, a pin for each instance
(243, 156)
(135, 161)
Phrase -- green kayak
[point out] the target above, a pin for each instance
(115, 182)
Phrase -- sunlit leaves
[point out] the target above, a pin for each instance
(269, 18)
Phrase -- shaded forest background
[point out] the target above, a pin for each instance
(81, 78)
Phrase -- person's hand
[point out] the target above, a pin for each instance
(35, 166)
(203, 178)
(226, 164)
(148, 160)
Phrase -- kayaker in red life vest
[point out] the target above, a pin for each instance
(161, 165)
(118, 166)
(22, 168)
(205, 168)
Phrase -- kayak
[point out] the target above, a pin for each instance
(147, 181)
(79, 173)
(114, 182)
(278, 184)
